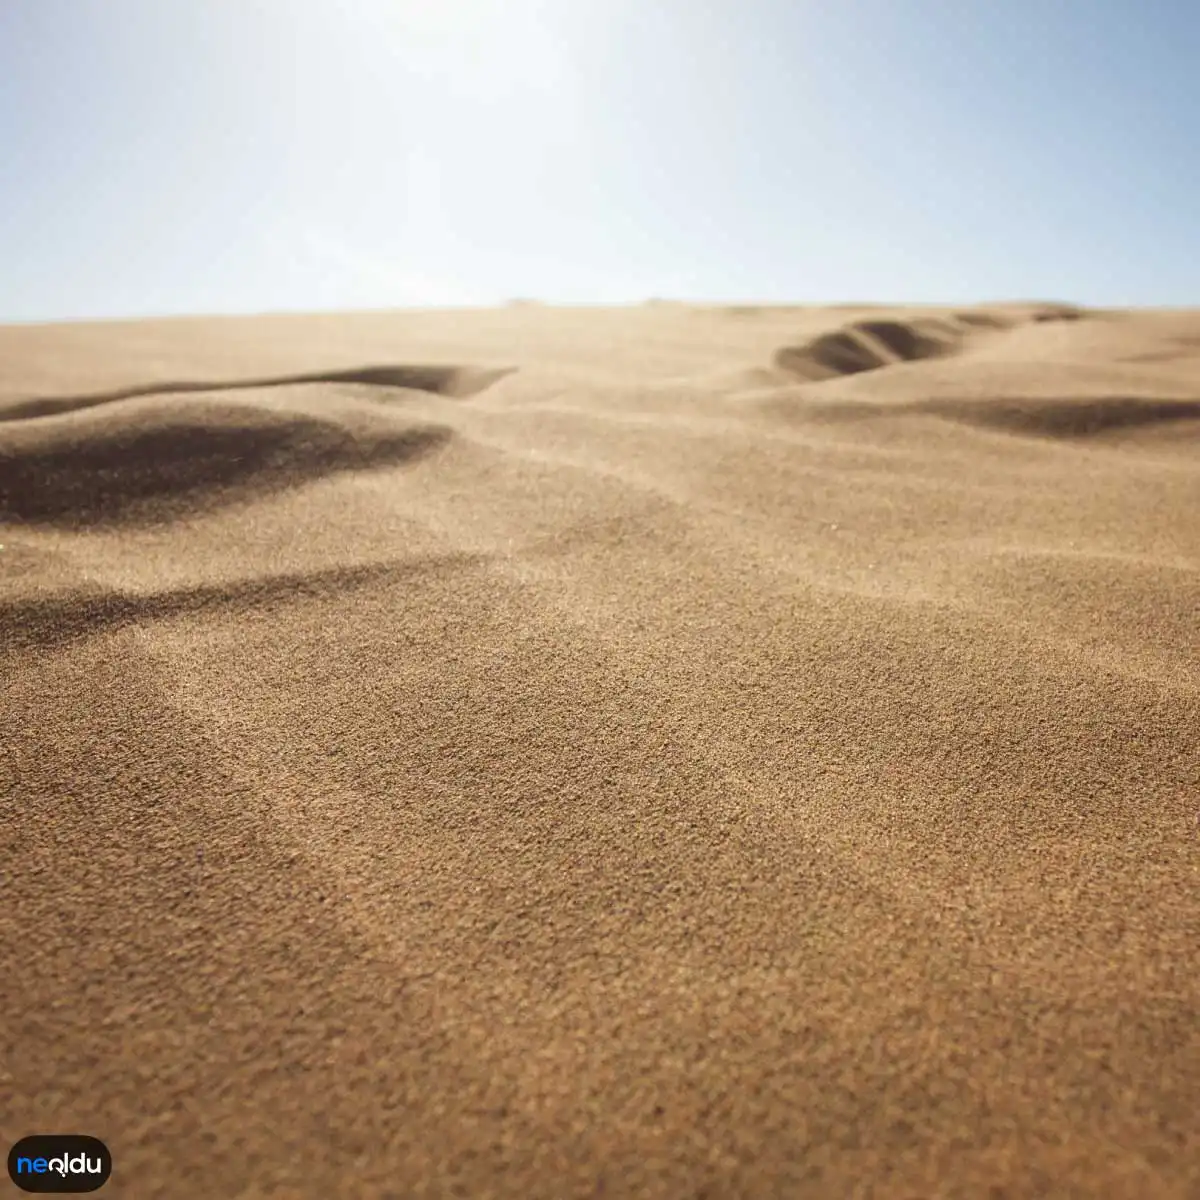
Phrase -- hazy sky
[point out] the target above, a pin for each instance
(175, 156)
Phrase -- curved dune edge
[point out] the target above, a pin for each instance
(455, 381)
(151, 459)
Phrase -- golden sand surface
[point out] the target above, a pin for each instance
(674, 751)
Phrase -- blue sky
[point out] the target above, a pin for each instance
(267, 155)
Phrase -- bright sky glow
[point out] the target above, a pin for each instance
(255, 155)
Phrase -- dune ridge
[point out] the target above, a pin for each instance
(440, 380)
(752, 751)
(874, 343)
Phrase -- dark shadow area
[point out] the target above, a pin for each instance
(1058, 312)
(867, 346)
(904, 340)
(871, 345)
(1031, 418)
(838, 353)
(43, 622)
(164, 461)
(979, 320)
(1065, 418)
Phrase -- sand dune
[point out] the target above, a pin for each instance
(147, 460)
(151, 459)
(717, 751)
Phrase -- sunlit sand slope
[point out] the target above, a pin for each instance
(676, 751)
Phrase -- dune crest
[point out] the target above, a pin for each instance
(440, 380)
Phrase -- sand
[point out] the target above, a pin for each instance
(671, 751)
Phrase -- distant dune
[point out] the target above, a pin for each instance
(677, 750)
(873, 345)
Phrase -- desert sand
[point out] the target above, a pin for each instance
(674, 751)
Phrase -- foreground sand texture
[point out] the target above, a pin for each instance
(668, 752)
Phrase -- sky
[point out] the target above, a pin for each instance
(163, 157)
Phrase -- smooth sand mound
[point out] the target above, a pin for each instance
(664, 775)
(156, 458)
